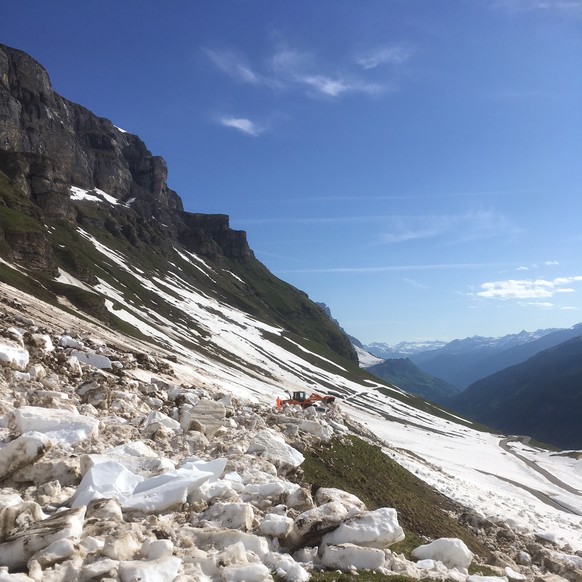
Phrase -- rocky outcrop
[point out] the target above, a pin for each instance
(48, 144)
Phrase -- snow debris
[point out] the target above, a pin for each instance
(115, 465)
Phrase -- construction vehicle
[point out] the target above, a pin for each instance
(300, 398)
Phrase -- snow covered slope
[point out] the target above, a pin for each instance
(494, 476)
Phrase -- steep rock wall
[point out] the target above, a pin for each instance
(48, 144)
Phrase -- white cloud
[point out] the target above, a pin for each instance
(540, 304)
(522, 269)
(551, 263)
(527, 288)
(466, 227)
(234, 66)
(325, 85)
(293, 70)
(242, 124)
(389, 55)
(336, 86)
(286, 62)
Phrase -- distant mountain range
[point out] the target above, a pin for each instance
(406, 375)
(525, 383)
(541, 397)
(464, 361)
(403, 349)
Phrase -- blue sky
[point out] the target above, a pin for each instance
(414, 164)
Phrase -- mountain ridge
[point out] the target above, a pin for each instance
(540, 397)
(69, 178)
(179, 330)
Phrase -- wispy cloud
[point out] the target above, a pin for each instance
(325, 85)
(387, 55)
(414, 283)
(336, 86)
(234, 66)
(398, 268)
(469, 226)
(296, 70)
(243, 125)
(528, 288)
(400, 228)
(410, 196)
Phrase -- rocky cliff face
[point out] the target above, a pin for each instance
(48, 144)
(74, 189)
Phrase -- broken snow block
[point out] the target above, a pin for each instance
(20, 547)
(165, 492)
(23, 451)
(373, 529)
(16, 513)
(348, 500)
(93, 360)
(314, 523)
(55, 553)
(347, 556)
(246, 573)
(238, 516)
(65, 426)
(105, 479)
(207, 416)
(452, 552)
(271, 445)
(12, 355)
(321, 431)
(163, 570)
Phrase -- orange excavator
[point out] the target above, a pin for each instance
(300, 398)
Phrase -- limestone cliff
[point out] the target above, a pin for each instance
(67, 175)
(48, 144)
